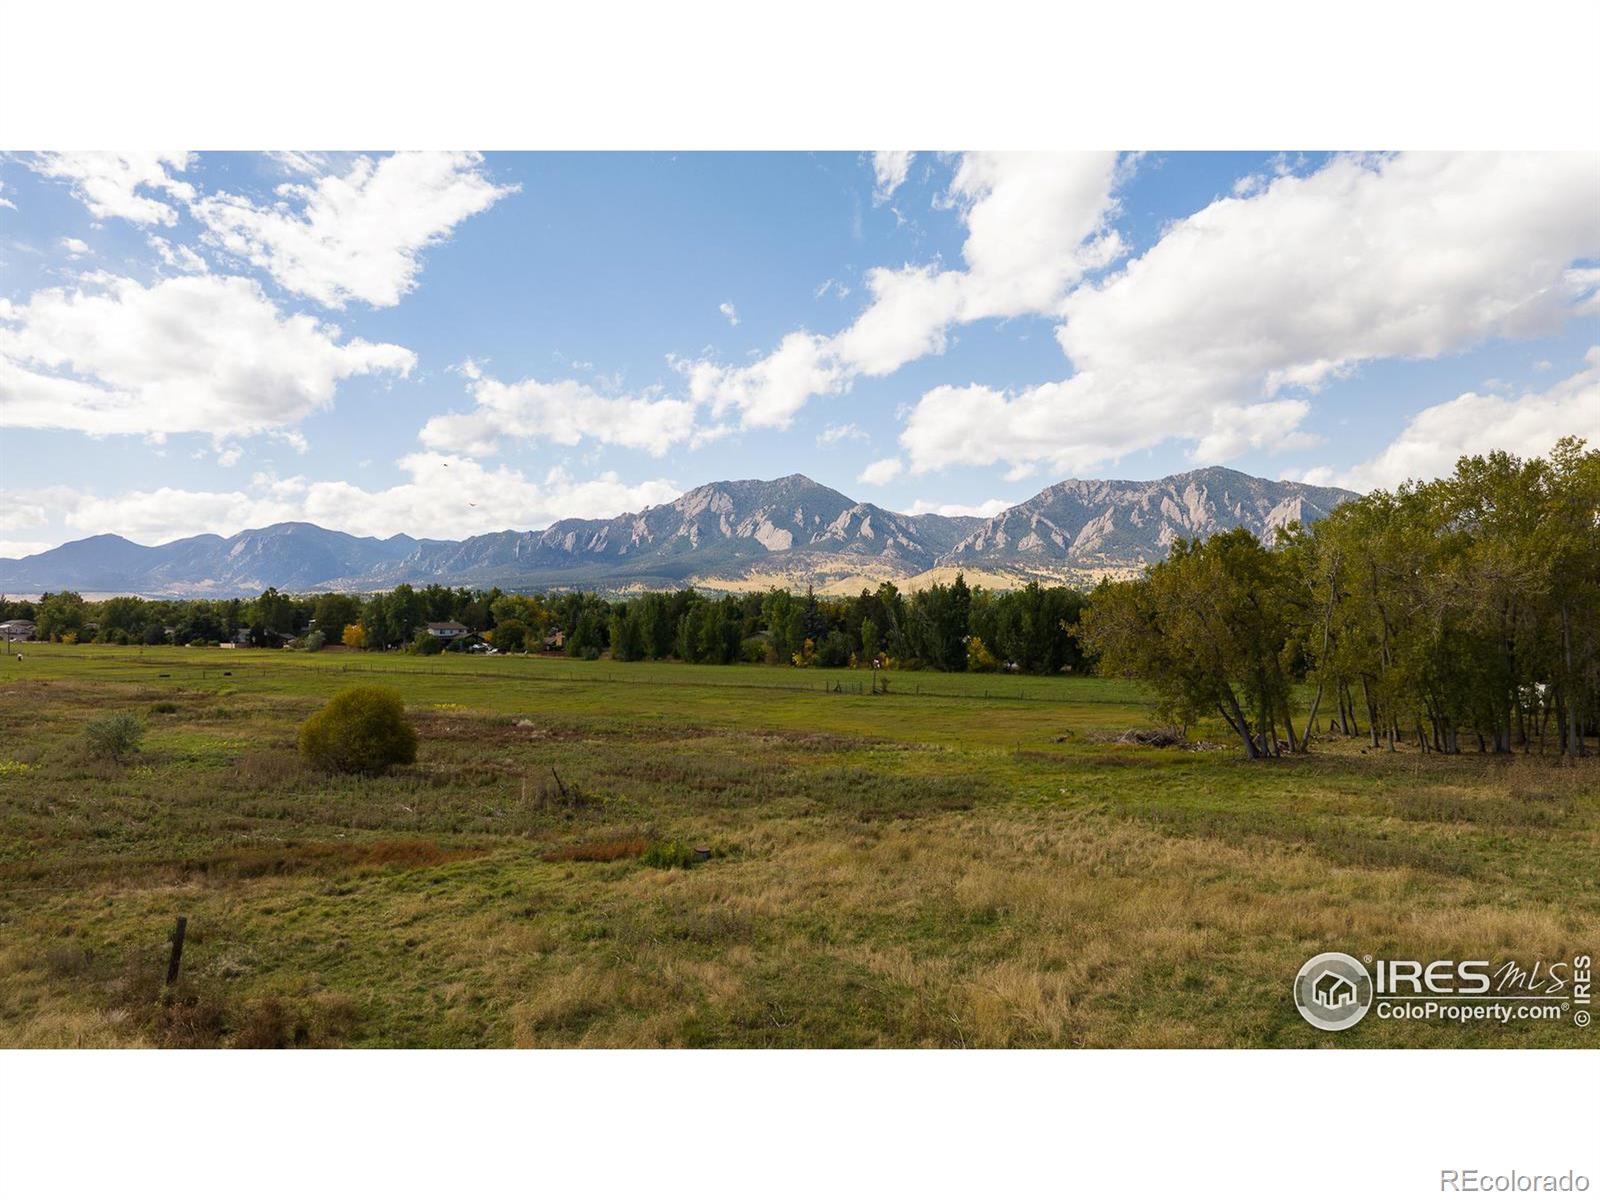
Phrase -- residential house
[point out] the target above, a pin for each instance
(19, 630)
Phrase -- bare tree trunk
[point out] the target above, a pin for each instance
(1239, 726)
(1311, 721)
(1372, 711)
(1574, 727)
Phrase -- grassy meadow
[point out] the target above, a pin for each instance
(966, 861)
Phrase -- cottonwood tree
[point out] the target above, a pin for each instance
(1208, 630)
(1458, 610)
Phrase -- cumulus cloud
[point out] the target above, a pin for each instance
(889, 169)
(177, 256)
(1035, 224)
(1222, 330)
(122, 185)
(883, 471)
(563, 412)
(769, 392)
(727, 309)
(4, 203)
(75, 247)
(1528, 425)
(355, 236)
(986, 508)
(443, 498)
(195, 353)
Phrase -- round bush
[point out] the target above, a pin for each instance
(362, 730)
(114, 736)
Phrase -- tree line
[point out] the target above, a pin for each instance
(946, 627)
(1458, 613)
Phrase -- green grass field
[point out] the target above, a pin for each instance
(962, 862)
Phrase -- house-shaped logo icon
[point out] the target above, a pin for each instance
(1334, 991)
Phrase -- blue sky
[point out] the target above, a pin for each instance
(448, 344)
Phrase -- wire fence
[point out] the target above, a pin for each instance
(124, 670)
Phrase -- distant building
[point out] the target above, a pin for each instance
(19, 630)
(446, 631)
(555, 640)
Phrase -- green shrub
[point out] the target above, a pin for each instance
(316, 640)
(163, 708)
(425, 643)
(668, 855)
(509, 635)
(113, 736)
(834, 650)
(362, 730)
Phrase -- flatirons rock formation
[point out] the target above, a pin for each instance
(734, 535)
(1090, 527)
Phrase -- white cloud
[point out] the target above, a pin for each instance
(727, 309)
(838, 433)
(1529, 425)
(889, 169)
(1282, 291)
(4, 203)
(1035, 224)
(883, 471)
(563, 412)
(199, 353)
(9, 549)
(229, 457)
(179, 257)
(300, 162)
(355, 236)
(909, 318)
(121, 185)
(771, 391)
(437, 500)
(75, 247)
(986, 508)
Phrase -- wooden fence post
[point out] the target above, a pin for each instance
(177, 951)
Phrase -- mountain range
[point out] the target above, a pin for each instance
(736, 535)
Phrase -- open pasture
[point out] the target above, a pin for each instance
(965, 861)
